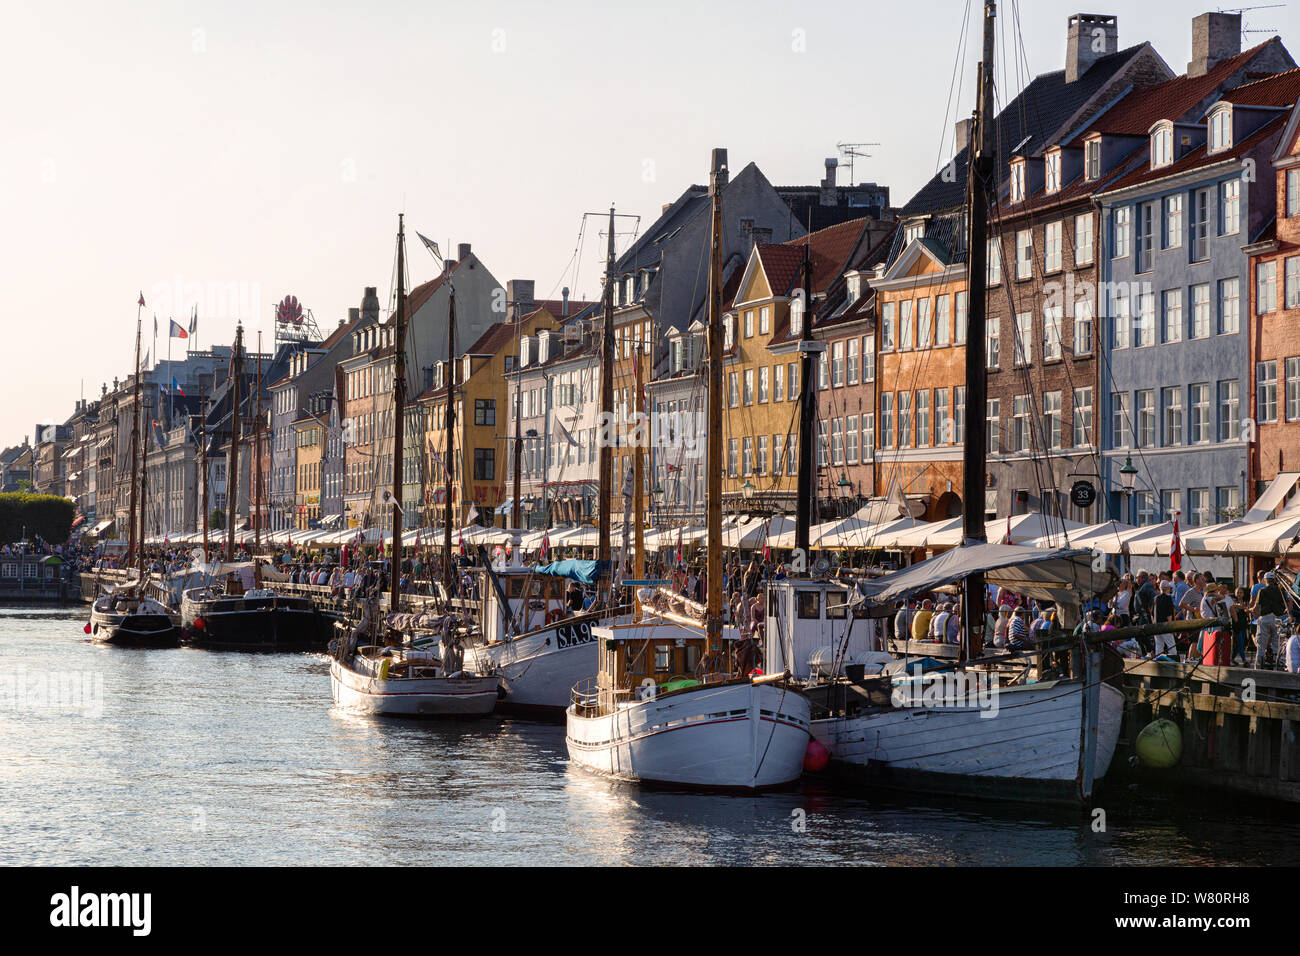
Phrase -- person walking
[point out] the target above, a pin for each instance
(1268, 606)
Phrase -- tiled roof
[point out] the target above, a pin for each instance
(1197, 158)
(1038, 112)
(1174, 99)
(1280, 90)
(830, 251)
(491, 341)
(421, 294)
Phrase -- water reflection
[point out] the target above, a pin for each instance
(202, 757)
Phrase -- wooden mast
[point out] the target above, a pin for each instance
(203, 462)
(638, 471)
(448, 461)
(258, 490)
(607, 416)
(232, 471)
(399, 415)
(981, 183)
(132, 542)
(713, 470)
(144, 466)
(806, 493)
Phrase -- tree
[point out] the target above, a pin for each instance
(46, 515)
(217, 519)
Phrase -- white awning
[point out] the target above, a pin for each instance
(1273, 496)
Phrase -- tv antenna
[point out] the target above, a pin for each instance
(852, 151)
(1244, 10)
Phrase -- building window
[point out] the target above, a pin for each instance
(1052, 419)
(1173, 232)
(923, 326)
(868, 437)
(837, 441)
(1083, 417)
(1052, 333)
(1293, 282)
(1052, 172)
(1146, 236)
(1266, 391)
(1171, 398)
(992, 426)
(1200, 405)
(887, 311)
(1200, 311)
(1083, 316)
(887, 420)
(1092, 159)
(923, 417)
(907, 337)
(1083, 239)
(747, 455)
(764, 320)
(1024, 254)
(796, 316)
(748, 395)
(762, 384)
(1200, 225)
(778, 383)
(1020, 440)
(1023, 346)
(868, 359)
(851, 439)
(485, 464)
(1199, 514)
(941, 424)
(904, 419)
(823, 370)
(1171, 315)
(959, 326)
(1119, 322)
(485, 411)
(1227, 502)
(837, 364)
(1162, 147)
(1146, 418)
(1220, 130)
(1293, 389)
(733, 390)
(1017, 180)
(991, 340)
(733, 457)
(994, 268)
(959, 414)
(749, 323)
(1230, 409)
(851, 361)
(1122, 229)
(1171, 502)
(1293, 191)
(943, 319)
(1229, 206)
(1119, 423)
(1144, 323)
(1265, 287)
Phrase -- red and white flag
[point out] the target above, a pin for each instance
(1006, 538)
(767, 528)
(679, 547)
(1175, 549)
(545, 552)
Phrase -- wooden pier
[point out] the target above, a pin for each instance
(1238, 726)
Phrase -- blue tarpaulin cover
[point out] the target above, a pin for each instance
(584, 572)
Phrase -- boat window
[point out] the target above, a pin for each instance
(835, 606)
(810, 605)
(663, 657)
(635, 659)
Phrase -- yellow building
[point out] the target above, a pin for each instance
(309, 432)
(760, 377)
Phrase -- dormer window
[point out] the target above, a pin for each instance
(1220, 128)
(914, 230)
(1162, 146)
(1018, 181)
(1052, 172)
(1092, 160)
(796, 316)
(854, 283)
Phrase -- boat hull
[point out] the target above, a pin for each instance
(256, 624)
(134, 630)
(1030, 751)
(539, 670)
(412, 697)
(735, 736)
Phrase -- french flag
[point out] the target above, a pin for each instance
(177, 330)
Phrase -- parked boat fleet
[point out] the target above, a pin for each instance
(648, 695)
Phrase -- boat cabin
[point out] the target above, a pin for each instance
(652, 657)
(535, 600)
(806, 624)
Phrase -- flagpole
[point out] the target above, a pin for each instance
(171, 412)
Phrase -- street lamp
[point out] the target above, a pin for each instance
(747, 490)
(1128, 474)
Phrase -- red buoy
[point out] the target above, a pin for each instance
(199, 624)
(815, 757)
(86, 628)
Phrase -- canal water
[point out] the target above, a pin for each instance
(185, 757)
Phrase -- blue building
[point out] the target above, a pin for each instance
(1173, 290)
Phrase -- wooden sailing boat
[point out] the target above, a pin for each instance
(671, 703)
(960, 731)
(126, 616)
(526, 633)
(407, 677)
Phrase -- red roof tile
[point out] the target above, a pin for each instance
(1283, 89)
(1198, 158)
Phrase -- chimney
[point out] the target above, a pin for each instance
(519, 297)
(462, 251)
(718, 173)
(370, 304)
(565, 294)
(1215, 37)
(1089, 37)
(961, 134)
(828, 197)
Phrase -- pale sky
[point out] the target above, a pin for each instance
(268, 147)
